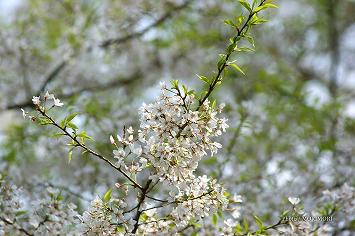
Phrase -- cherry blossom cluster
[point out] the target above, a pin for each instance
(97, 220)
(175, 133)
(345, 195)
(47, 99)
(175, 137)
(172, 139)
(199, 198)
(315, 222)
(48, 215)
(51, 215)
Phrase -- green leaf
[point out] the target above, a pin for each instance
(59, 197)
(246, 225)
(72, 125)
(203, 78)
(19, 213)
(259, 21)
(221, 61)
(220, 214)
(250, 40)
(231, 47)
(63, 123)
(57, 135)
(70, 117)
(175, 84)
(214, 219)
(230, 22)
(107, 195)
(245, 49)
(84, 135)
(120, 229)
(143, 217)
(191, 92)
(214, 104)
(70, 155)
(245, 4)
(240, 19)
(236, 67)
(258, 222)
(44, 121)
(284, 214)
(264, 6)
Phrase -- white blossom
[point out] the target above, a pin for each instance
(57, 102)
(294, 200)
(24, 114)
(49, 96)
(36, 100)
(175, 138)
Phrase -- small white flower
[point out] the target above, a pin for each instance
(24, 114)
(112, 140)
(49, 96)
(57, 102)
(36, 100)
(136, 149)
(236, 213)
(294, 200)
(230, 223)
(237, 198)
(119, 153)
(130, 138)
(151, 212)
(130, 130)
(143, 161)
(162, 85)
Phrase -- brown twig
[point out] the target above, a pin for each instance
(83, 146)
(222, 67)
(139, 33)
(140, 203)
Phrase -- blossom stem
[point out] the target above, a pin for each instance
(83, 146)
(274, 226)
(228, 54)
(140, 203)
(221, 68)
(166, 203)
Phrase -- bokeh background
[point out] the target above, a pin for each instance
(292, 117)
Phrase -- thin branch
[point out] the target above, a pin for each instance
(186, 227)
(167, 203)
(222, 67)
(140, 203)
(102, 87)
(156, 199)
(83, 146)
(274, 226)
(139, 33)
